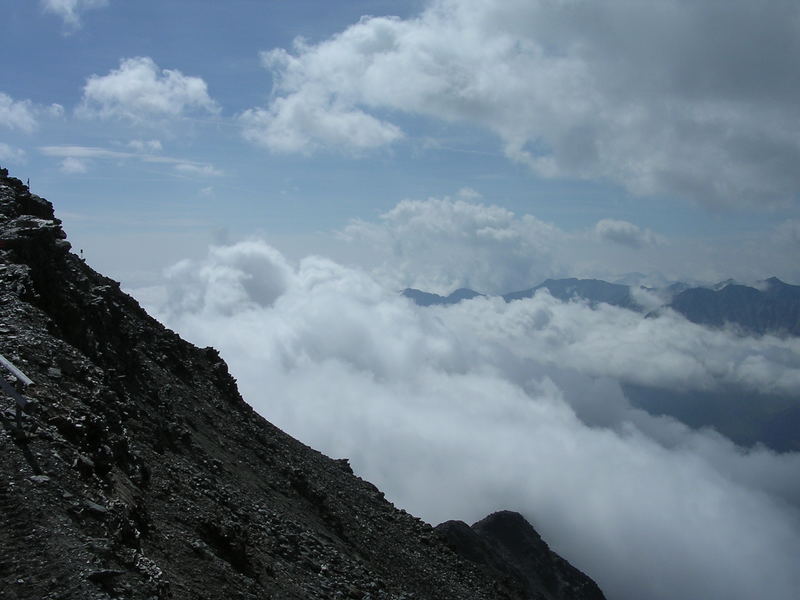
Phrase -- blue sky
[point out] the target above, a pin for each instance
(160, 127)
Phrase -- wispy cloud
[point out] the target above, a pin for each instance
(76, 153)
(197, 169)
(70, 10)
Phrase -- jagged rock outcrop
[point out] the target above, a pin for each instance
(508, 547)
(143, 474)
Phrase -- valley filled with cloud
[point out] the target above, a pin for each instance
(460, 410)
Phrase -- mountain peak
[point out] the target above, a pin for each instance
(505, 543)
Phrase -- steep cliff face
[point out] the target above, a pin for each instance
(141, 473)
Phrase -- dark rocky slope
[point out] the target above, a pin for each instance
(141, 473)
(504, 543)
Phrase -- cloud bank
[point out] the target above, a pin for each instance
(693, 99)
(458, 411)
(140, 90)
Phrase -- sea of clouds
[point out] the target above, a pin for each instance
(459, 411)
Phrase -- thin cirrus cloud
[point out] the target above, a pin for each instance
(455, 412)
(139, 90)
(76, 159)
(197, 169)
(669, 99)
(70, 10)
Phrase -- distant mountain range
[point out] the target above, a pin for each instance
(747, 418)
(771, 308)
(427, 299)
(775, 308)
(594, 291)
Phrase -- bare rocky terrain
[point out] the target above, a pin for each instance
(139, 472)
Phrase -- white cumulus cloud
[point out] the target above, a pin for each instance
(459, 411)
(694, 99)
(140, 90)
(11, 154)
(17, 114)
(74, 166)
